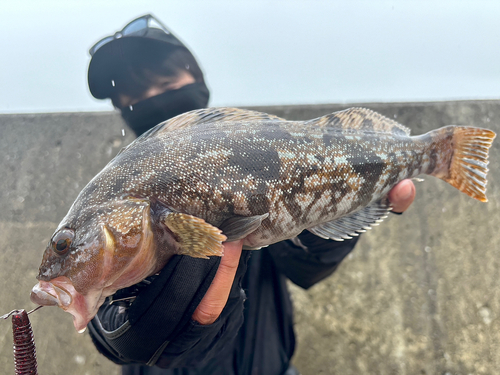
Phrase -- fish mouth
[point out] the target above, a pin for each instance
(61, 292)
(48, 294)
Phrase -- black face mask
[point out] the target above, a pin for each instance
(150, 112)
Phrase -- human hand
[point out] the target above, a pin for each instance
(402, 195)
(217, 294)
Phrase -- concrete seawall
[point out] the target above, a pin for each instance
(419, 294)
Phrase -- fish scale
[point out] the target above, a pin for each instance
(224, 174)
(276, 164)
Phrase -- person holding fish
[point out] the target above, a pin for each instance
(222, 315)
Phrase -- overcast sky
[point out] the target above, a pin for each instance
(263, 52)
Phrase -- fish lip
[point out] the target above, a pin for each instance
(60, 292)
(47, 294)
(42, 297)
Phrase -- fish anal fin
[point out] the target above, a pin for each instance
(361, 119)
(238, 227)
(351, 225)
(195, 236)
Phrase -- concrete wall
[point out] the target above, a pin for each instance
(419, 295)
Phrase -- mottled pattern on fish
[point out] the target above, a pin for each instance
(301, 173)
(216, 175)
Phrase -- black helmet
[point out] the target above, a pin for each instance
(114, 49)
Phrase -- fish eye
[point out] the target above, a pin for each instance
(61, 242)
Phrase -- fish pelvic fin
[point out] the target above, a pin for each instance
(238, 227)
(463, 158)
(195, 236)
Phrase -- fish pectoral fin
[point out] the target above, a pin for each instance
(238, 227)
(358, 222)
(195, 236)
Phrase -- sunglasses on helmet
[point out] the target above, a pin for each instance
(138, 27)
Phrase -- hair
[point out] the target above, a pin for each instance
(141, 68)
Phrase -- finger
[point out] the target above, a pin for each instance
(217, 294)
(402, 195)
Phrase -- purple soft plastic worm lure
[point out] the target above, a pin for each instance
(24, 342)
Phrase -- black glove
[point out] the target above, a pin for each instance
(308, 259)
(159, 319)
(160, 311)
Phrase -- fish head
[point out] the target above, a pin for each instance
(93, 253)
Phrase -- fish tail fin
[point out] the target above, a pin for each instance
(462, 158)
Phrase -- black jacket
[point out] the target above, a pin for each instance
(254, 333)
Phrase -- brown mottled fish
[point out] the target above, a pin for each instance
(223, 174)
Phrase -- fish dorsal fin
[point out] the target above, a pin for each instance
(213, 114)
(203, 116)
(358, 222)
(238, 227)
(362, 119)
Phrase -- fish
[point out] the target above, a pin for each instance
(218, 175)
